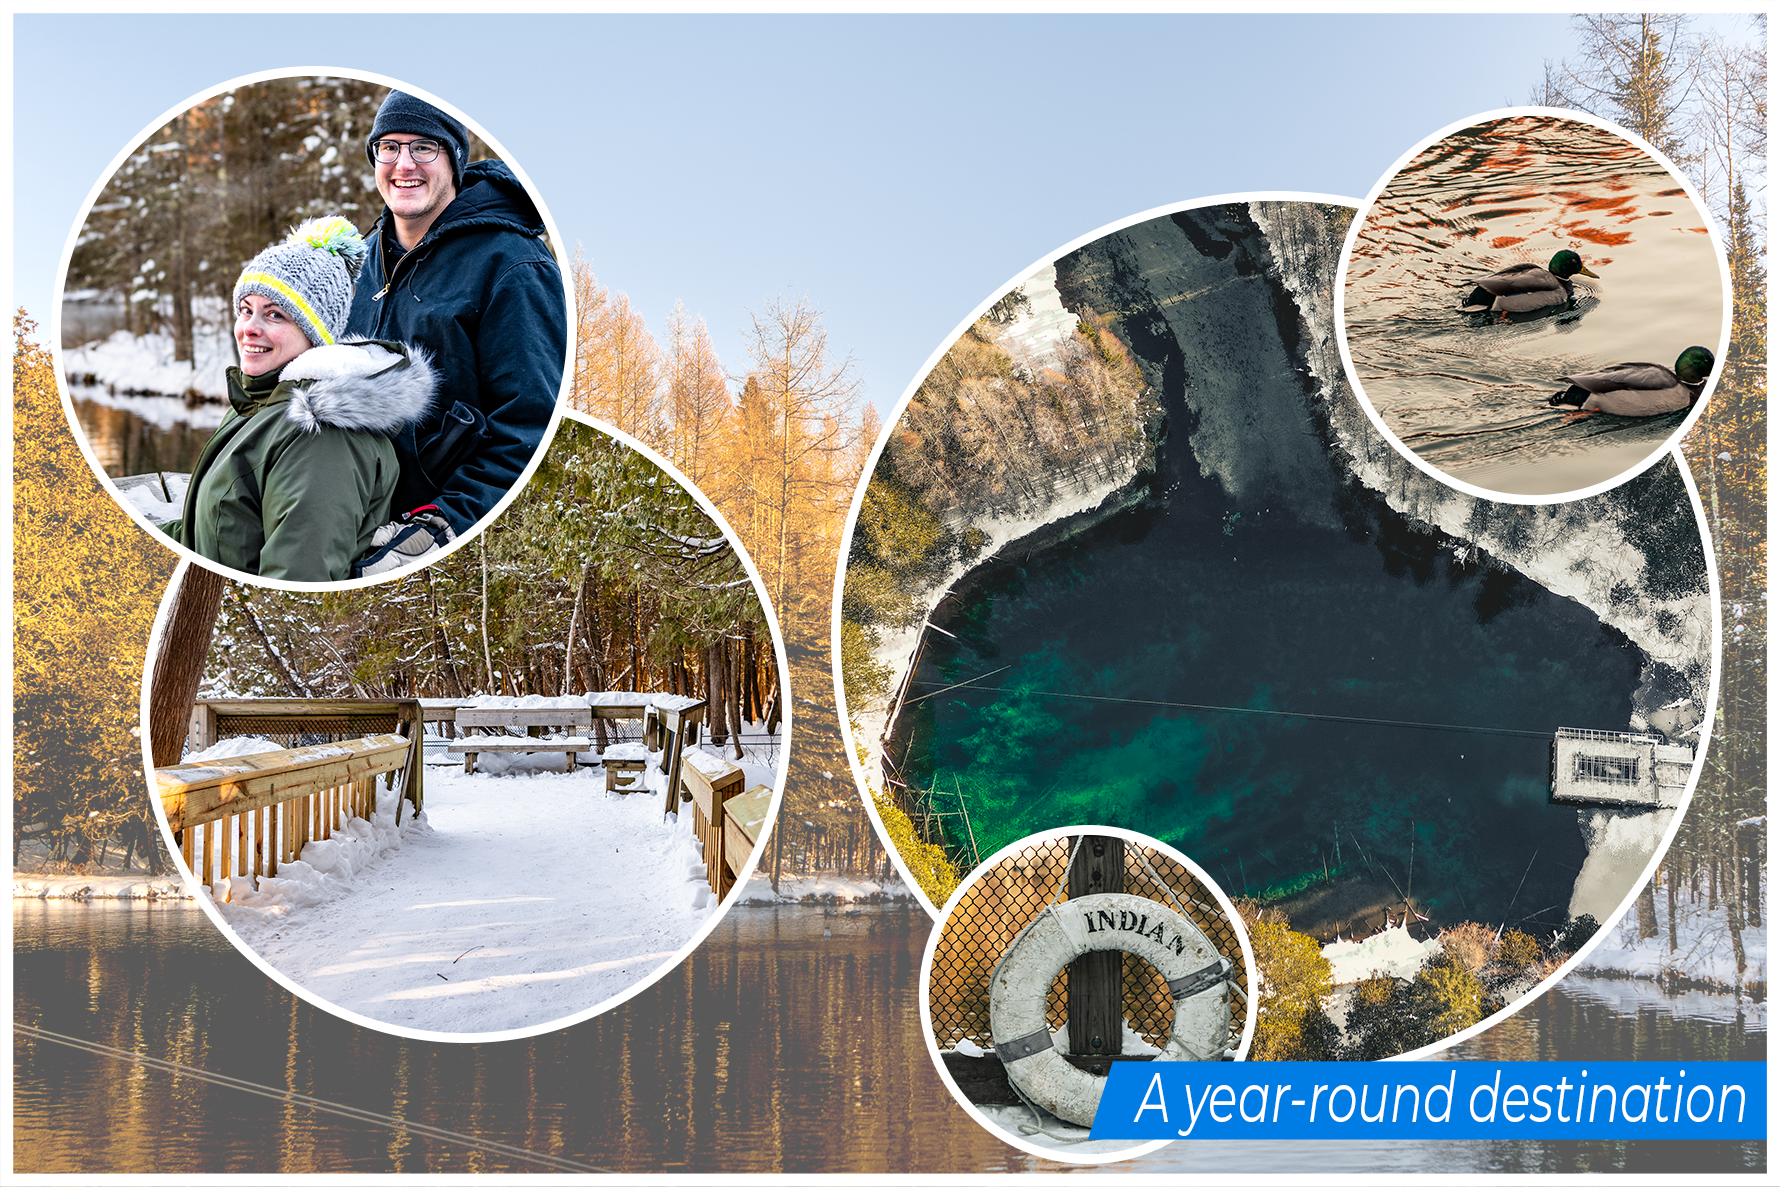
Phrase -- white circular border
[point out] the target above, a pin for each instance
(1062, 1154)
(201, 893)
(1657, 451)
(895, 417)
(55, 323)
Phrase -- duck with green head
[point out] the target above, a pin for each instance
(1638, 389)
(1526, 287)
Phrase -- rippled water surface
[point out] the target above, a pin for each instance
(1467, 392)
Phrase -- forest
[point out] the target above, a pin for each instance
(201, 196)
(603, 575)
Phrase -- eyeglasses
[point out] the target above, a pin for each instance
(421, 152)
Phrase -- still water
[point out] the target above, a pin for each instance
(143, 434)
(1145, 673)
(776, 1047)
(1467, 392)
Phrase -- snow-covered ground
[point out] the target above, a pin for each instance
(145, 364)
(1391, 952)
(523, 895)
(1703, 952)
(816, 887)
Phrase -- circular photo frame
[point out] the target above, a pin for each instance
(1533, 304)
(237, 320)
(1239, 622)
(1069, 951)
(506, 814)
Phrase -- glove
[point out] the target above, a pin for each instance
(413, 536)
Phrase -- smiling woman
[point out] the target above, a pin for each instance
(420, 454)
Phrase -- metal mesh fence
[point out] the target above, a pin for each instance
(304, 730)
(1000, 904)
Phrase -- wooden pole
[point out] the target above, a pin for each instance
(1096, 980)
(179, 662)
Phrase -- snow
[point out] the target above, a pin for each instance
(98, 886)
(235, 748)
(504, 906)
(814, 887)
(702, 761)
(1391, 952)
(1620, 844)
(1703, 952)
(146, 498)
(145, 364)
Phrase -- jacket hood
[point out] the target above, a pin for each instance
(490, 197)
(380, 387)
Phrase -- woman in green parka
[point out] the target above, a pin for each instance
(300, 474)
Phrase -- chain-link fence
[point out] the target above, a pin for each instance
(1007, 897)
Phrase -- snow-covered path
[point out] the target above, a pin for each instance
(517, 900)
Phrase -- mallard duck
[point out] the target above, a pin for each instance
(1526, 287)
(1638, 389)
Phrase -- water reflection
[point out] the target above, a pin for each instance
(142, 434)
(1467, 392)
(772, 1049)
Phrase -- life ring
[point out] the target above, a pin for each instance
(1196, 974)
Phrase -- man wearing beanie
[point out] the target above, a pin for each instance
(457, 264)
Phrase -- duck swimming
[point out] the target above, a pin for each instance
(1638, 389)
(1526, 287)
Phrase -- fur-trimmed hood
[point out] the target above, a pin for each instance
(360, 383)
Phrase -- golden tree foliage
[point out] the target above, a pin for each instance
(86, 581)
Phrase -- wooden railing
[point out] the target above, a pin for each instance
(288, 718)
(249, 814)
(727, 816)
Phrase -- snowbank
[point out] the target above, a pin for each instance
(98, 886)
(817, 887)
(1703, 954)
(1391, 952)
(145, 364)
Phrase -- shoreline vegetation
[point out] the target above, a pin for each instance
(1004, 447)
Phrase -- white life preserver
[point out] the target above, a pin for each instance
(1197, 976)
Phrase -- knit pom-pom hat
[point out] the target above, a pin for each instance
(310, 276)
(404, 113)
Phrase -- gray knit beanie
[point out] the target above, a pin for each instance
(310, 276)
(416, 117)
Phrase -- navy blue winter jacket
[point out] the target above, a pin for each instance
(484, 295)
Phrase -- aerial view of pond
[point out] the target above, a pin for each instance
(1468, 392)
(1277, 677)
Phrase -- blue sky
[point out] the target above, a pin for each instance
(894, 170)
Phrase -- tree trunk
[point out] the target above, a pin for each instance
(733, 700)
(179, 662)
(1670, 878)
(1647, 912)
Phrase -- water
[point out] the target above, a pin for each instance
(1308, 595)
(143, 434)
(1467, 392)
(772, 1049)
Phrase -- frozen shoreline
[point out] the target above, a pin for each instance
(896, 650)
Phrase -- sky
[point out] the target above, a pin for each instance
(896, 171)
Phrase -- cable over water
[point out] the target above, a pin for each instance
(1079, 696)
(312, 1102)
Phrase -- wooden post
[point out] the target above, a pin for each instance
(1096, 980)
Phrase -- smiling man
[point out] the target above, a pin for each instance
(458, 265)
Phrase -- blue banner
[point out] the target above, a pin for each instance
(1494, 1100)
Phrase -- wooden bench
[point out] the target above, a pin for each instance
(624, 765)
(743, 819)
(532, 721)
(471, 747)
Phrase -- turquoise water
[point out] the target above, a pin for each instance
(1314, 600)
